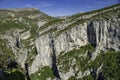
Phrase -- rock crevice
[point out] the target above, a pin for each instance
(54, 65)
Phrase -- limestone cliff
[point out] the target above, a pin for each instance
(65, 49)
(94, 29)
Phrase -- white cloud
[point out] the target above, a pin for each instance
(39, 5)
(45, 4)
(28, 5)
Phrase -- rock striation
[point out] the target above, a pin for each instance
(68, 46)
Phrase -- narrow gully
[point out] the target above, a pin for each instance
(54, 66)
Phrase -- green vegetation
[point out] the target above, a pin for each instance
(72, 78)
(34, 12)
(4, 14)
(5, 53)
(74, 58)
(89, 77)
(31, 56)
(5, 49)
(49, 31)
(94, 11)
(43, 74)
(66, 60)
(7, 25)
(11, 70)
(71, 26)
(14, 74)
(111, 66)
(51, 22)
(24, 13)
(77, 58)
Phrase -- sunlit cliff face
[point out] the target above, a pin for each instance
(40, 47)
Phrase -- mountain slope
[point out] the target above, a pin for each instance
(72, 48)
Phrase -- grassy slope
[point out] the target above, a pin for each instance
(43, 74)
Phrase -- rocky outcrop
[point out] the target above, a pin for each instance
(71, 39)
(25, 35)
(14, 42)
(55, 39)
(105, 34)
(44, 56)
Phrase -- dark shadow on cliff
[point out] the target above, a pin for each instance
(12, 64)
(12, 71)
(16, 75)
(91, 33)
(27, 71)
(96, 75)
(17, 43)
(54, 66)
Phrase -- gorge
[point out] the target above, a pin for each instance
(84, 46)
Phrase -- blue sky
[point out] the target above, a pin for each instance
(58, 7)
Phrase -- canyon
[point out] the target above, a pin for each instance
(51, 48)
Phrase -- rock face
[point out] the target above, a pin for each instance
(101, 34)
(25, 35)
(104, 34)
(72, 38)
(44, 55)
(15, 43)
(67, 45)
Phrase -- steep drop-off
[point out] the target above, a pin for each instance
(74, 48)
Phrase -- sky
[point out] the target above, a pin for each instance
(58, 7)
